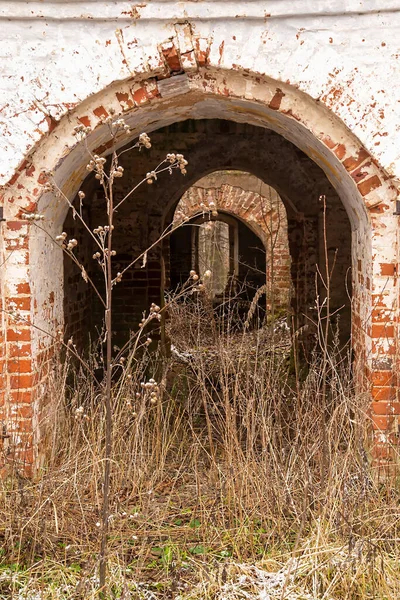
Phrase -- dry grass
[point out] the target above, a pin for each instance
(228, 482)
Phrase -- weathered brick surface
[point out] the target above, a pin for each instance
(310, 86)
(259, 206)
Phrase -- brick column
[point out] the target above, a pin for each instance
(382, 369)
(21, 376)
(303, 241)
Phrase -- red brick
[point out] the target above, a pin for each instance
(24, 412)
(23, 288)
(380, 422)
(276, 100)
(19, 350)
(19, 335)
(172, 59)
(15, 225)
(84, 120)
(329, 142)
(382, 451)
(21, 397)
(19, 244)
(24, 426)
(369, 185)
(19, 303)
(22, 381)
(388, 269)
(378, 350)
(383, 393)
(140, 96)
(382, 408)
(100, 112)
(383, 378)
(19, 366)
(26, 456)
(340, 151)
(352, 162)
(382, 331)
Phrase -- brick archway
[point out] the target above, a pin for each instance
(201, 91)
(260, 208)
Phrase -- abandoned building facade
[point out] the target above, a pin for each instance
(288, 115)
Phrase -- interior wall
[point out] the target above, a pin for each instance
(78, 294)
(276, 161)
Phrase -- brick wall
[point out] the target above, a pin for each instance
(3, 363)
(78, 295)
(327, 129)
(296, 224)
(258, 206)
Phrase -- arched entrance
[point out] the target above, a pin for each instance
(248, 102)
(247, 198)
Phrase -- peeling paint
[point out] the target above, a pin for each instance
(162, 62)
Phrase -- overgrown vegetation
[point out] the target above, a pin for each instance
(233, 467)
(216, 483)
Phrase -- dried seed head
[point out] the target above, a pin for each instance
(72, 244)
(144, 140)
(119, 171)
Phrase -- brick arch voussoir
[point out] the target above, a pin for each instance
(196, 197)
(190, 57)
(235, 200)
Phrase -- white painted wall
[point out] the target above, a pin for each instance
(62, 60)
(344, 53)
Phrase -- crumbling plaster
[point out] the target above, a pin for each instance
(341, 53)
(320, 73)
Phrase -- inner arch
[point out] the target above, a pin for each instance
(256, 217)
(262, 152)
